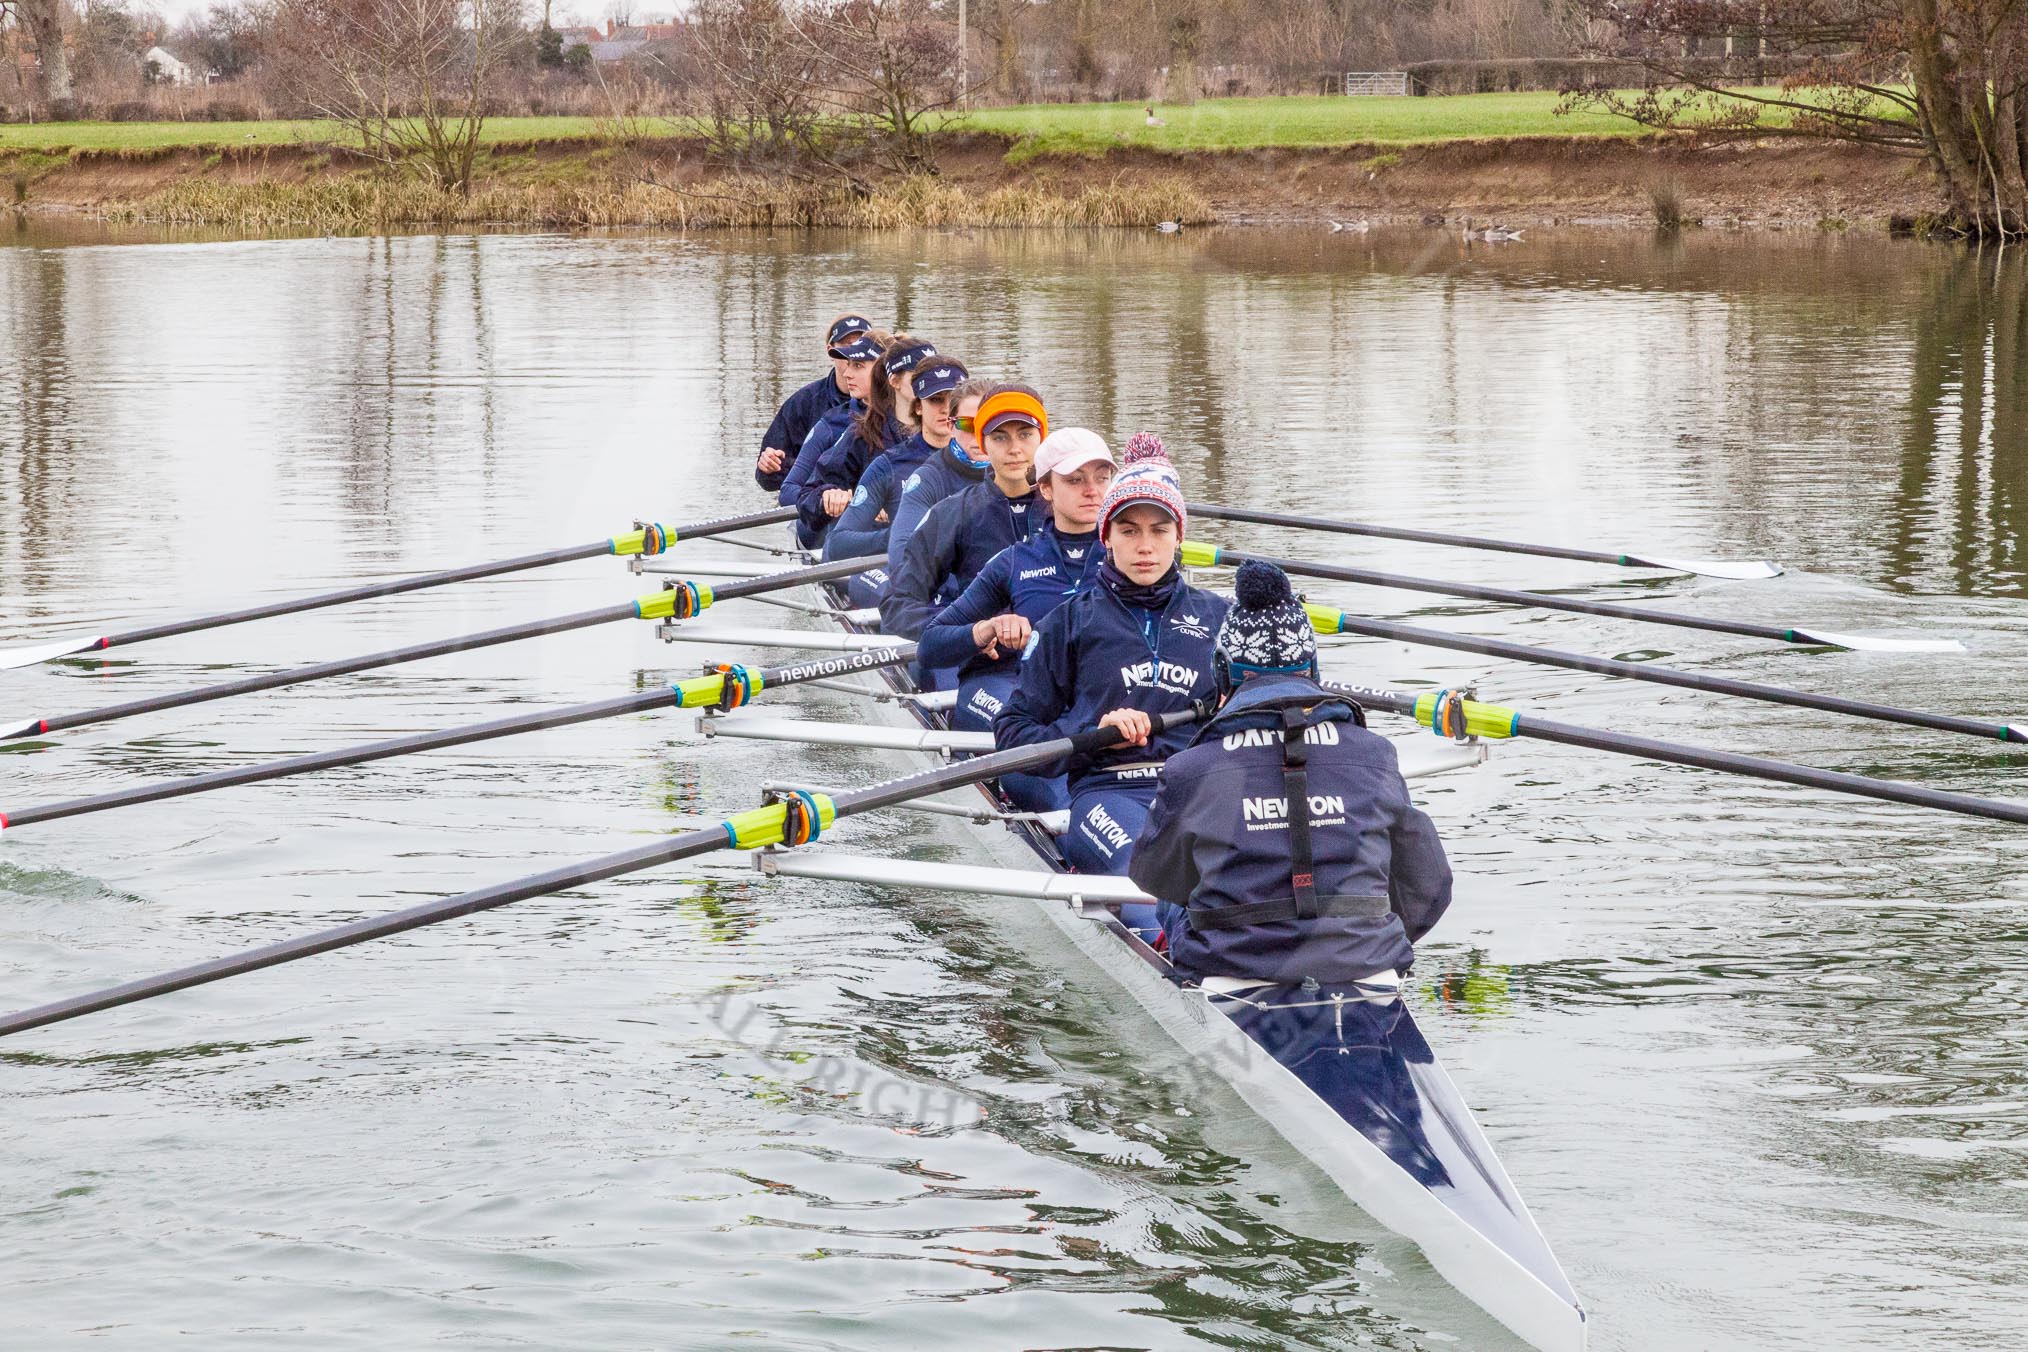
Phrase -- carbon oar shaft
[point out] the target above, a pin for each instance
(653, 607)
(1198, 554)
(748, 830)
(1329, 621)
(651, 540)
(697, 692)
(1747, 568)
(1494, 720)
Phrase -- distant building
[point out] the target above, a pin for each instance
(622, 41)
(168, 68)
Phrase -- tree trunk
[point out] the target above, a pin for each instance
(44, 21)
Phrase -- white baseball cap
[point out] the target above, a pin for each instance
(1069, 449)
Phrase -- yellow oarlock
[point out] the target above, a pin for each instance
(662, 605)
(650, 540)
(764, 826)
(1481, 720)
(704, 691)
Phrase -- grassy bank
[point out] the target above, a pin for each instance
(1214, 124)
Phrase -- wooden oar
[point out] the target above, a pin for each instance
(797, 819)
(1329, 621)
(1737, 569)
(1199, 554)
(698, 692)
(641, 540)
(677, 600)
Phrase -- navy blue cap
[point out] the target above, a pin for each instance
(939, 377)
(857, 347)
(910, 357)
(846, 326)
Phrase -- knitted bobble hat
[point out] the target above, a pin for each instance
(1145, 476)
(1267, 629)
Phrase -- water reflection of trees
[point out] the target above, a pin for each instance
(1962, 503)
(35, 442)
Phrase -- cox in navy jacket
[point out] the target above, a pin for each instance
(1029, 579)
(1217, 842)
(1093, 654)
(793, 421)
(955, 541)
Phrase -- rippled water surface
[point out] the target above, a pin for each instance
(1753, 1054)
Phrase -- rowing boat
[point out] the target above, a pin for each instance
(1345, 1075)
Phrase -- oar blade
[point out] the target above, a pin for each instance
(10, 731)
(11, 658)
(1735, 570)
(1869, 643)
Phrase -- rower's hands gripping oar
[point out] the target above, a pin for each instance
(644, 540)
(677, 600)
(1450, 714)
(797, 819)
(1734, 569)
(727, 687)
(1200, 554)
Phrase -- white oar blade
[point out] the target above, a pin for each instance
(47, 652)
(1867, 643)
(10, 731)
(1738, 570)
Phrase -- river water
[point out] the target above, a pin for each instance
(1751, 1053)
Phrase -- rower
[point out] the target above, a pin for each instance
(937, 392)
(1136, 643)
(1283, 842)
(801, 410)
(984, 632)
(959, 533)
(860, 352)
(883, 423)
(1011, 413)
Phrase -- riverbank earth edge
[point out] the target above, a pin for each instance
(987, 180)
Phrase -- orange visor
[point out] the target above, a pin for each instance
(1004, 406)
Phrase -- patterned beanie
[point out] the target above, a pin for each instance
(1145, 476)
(1267, 629)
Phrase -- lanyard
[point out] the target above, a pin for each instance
(1092, 553)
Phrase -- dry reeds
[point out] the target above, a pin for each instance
(374, 202)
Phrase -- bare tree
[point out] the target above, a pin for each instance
(1946, 80)
(410, 77)
(826, 89)
(43, 20)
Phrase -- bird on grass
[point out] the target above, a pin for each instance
(1154, 121)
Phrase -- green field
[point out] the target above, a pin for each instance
(1214, 124)
(1247, 124)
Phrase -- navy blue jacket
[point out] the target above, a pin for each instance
(793, 421)
(1217, 842)
(1095, 653)
(840, 467)
(860, 530)
(948, 471)
(833, 425)
(1028, 579)
(957, 538)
